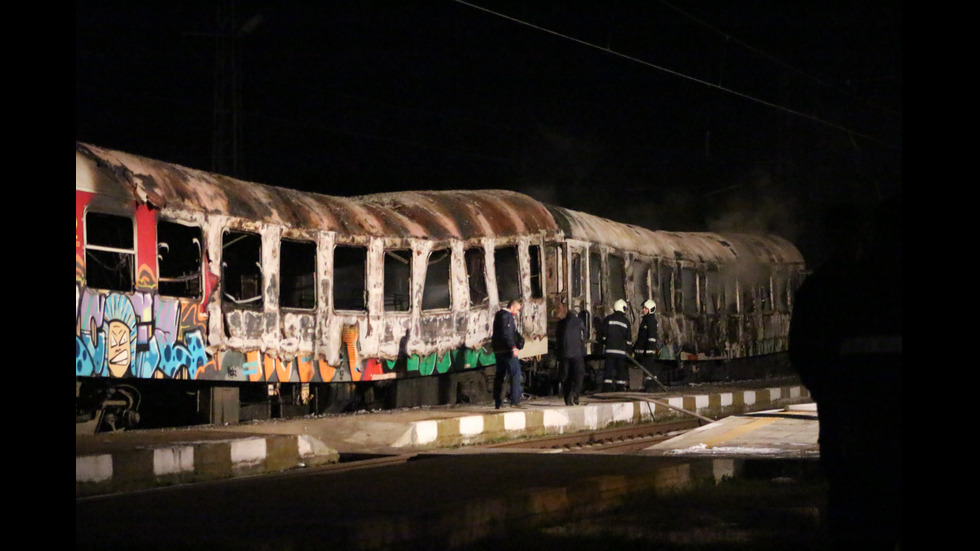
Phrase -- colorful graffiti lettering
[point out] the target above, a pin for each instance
(145, 335)
(112, 341)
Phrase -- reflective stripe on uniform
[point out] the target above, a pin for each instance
(619, 323)
(615, 351)
(878, 344)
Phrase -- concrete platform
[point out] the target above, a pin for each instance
(132, 460)
(790, 433)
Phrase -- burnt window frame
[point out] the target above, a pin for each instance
(535, 266)
(396, 299)
(256, 301)
(445, 302)
(307, 293)
(642, 270)
(665, 275)
(687, 293)
(617, 289)
(765, 296)
(102, 253)
(576, 271)
(167, 284)
(514, 279)
(714, 295)
(354, 268)
(596, 287)
(480, 285)
(748, 295)
(554, 264)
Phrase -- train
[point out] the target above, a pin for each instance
(205, 299)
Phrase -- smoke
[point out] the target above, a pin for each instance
(756, 206)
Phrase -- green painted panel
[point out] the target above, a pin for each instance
(443, 364)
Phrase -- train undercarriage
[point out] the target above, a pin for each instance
(106, 405)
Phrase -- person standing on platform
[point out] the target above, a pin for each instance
(616, 334)
(570, 335)
(646, 346)
(506, 341)
(845, 341)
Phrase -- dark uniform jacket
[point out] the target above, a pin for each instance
(616, 334)
(505, 336)
(646, 337)
(571, 337)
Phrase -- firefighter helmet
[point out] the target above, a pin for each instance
(620, 305)
(650, 305)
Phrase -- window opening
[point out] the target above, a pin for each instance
(349, 278)
(731, 292)
(110, 252)
(595, 279)
(666, 276)
(687, 298)
(617, 277)
(749, 293)
(577, 273)
(179, 259)
(641, 282)
(297, 274)
(765, 296)
(397, 280)
(781, 294)
(507, 268)
(712, 292)
(534, 254)
(476, 275)
(553, 269)
(436, 294)
(241, 268)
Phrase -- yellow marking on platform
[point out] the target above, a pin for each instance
(738, 431)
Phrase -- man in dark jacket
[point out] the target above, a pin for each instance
(571, 352)
(845, 341)
(616, 335)
(506, 341)
(646, 346)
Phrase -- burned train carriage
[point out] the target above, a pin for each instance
(201, 298)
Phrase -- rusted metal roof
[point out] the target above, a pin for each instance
(422, 214)
(460, 214)
(694, 246)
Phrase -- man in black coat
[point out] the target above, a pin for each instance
(845, 341)
(506, 341)
(570, 335)
(616, 335)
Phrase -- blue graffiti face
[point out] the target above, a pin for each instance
(118, 354)
(120, 334)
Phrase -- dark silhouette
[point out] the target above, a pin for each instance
(846, 344)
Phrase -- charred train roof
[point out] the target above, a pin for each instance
(694, 246)
(423, 214)
(461, 214)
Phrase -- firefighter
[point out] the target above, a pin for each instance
(646, 346)
(615, 339)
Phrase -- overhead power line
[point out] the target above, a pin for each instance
(794, 112)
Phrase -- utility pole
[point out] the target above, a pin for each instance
(227, 118)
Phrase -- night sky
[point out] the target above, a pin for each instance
(750, 115)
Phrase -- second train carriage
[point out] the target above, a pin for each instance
(201, 298)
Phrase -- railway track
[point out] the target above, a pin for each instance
(614, 440)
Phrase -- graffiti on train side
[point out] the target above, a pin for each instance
(139, 335)
(144, 335)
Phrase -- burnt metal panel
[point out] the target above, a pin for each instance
(420, 214)
(705, 247)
